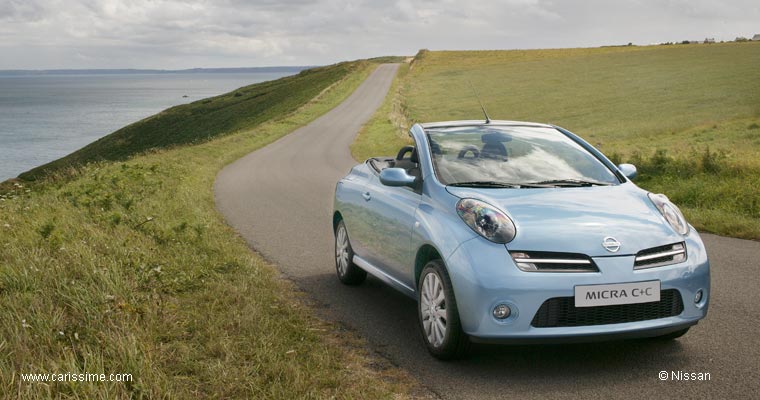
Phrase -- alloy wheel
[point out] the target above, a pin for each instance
(341, 250)
(433, 309)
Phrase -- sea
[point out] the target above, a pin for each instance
(46, 116)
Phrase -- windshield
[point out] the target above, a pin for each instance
(513, 156)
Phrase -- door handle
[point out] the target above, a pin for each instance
(367, 196)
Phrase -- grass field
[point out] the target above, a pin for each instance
(687, 115)
(126, 267)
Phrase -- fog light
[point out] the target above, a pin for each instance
(501, 311)
(697, 297)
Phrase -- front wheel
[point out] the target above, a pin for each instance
(348, 272)
(438, 314)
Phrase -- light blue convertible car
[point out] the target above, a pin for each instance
(514, 232)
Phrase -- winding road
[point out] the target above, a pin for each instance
(279, 198)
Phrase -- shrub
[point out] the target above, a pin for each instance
(661, 163)
(712, 162)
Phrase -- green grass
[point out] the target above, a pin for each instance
(126, 267)
(661, 107)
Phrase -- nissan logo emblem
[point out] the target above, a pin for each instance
(611, 244)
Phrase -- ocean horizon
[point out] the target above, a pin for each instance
(47, 114)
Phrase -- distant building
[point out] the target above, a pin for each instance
(756, 37)
(709, 40)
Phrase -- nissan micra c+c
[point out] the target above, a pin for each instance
(515, 232)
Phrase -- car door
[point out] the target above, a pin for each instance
(349, 199)
(391, 212)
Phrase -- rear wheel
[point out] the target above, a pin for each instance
(438, 314)
(348, 272)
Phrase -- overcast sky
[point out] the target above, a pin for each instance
(174, 34)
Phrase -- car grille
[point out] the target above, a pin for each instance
(543, 261)
(561, 312)
(660, 256)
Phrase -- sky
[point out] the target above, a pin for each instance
(178, 34)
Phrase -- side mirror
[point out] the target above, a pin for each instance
(396, 177)
(629, 170)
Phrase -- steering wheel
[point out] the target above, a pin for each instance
(467, 149)
(403, 151)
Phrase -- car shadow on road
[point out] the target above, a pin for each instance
(607, 355)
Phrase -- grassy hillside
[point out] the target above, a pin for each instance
(687, 115)
(126, 267)
(205, 119)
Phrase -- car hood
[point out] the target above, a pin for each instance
(577, 220)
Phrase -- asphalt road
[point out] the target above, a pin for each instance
(280, 200)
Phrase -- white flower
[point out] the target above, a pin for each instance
(24, 324)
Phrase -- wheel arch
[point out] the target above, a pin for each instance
(337, 217)
(425, 254)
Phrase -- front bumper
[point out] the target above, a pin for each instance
(484, 275)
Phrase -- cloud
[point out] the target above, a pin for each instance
(12, 10)
(190, 33)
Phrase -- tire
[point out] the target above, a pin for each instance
(673, 335)
(439, 321)
(348, 272)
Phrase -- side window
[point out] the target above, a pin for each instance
(414, 168)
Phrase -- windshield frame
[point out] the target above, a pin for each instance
(584, 146)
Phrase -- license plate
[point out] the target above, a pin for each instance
(619, 293)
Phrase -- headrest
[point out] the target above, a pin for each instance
(495, 137)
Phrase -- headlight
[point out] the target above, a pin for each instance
(671, 213)
(486, 220)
